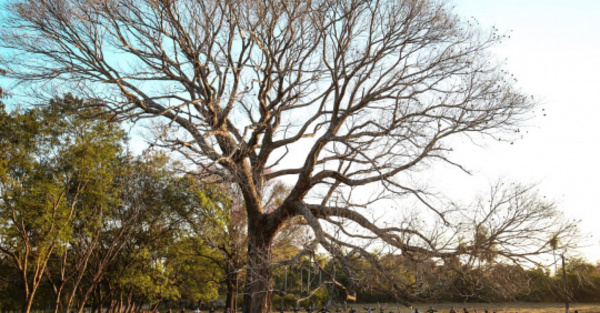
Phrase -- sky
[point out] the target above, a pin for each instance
(554, 52)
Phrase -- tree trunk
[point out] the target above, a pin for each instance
(129, 305)
(84, 299)
(156, 305)
(120, 306)
(112, 306)
(30, 292)
(257, 296)
(99, 304)
(27, 304)
(58, 302)
(564, 278)
(230, 281)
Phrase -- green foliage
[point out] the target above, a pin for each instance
(53, 163)
(150, 279)
(74, 206)
(196, 275)
(9, 295)
(52, 160)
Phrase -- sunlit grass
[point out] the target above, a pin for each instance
(509, 307)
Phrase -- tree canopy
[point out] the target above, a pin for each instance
(53, 164)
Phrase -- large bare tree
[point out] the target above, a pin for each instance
(346, 100)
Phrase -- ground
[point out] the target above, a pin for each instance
(510, 307)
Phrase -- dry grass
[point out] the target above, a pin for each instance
(510, 307)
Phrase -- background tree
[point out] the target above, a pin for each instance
(134, 261)
(119, 245)
(346, 100)
(583, 281)
(217, 234)
(52, 162)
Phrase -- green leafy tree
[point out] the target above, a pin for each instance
(195, 270)
(159, 262)
(127, 259)
(52, 161)
(582, 281)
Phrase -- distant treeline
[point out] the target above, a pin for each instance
(535, 285)
(580, 283)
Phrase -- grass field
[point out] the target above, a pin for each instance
(510, 307)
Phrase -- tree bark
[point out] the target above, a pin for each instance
(257, 296)
(232, 276)
(564, 278)
(27, 304)
(156, 305)
(30, 292)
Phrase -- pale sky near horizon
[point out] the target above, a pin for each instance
(554, 51)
